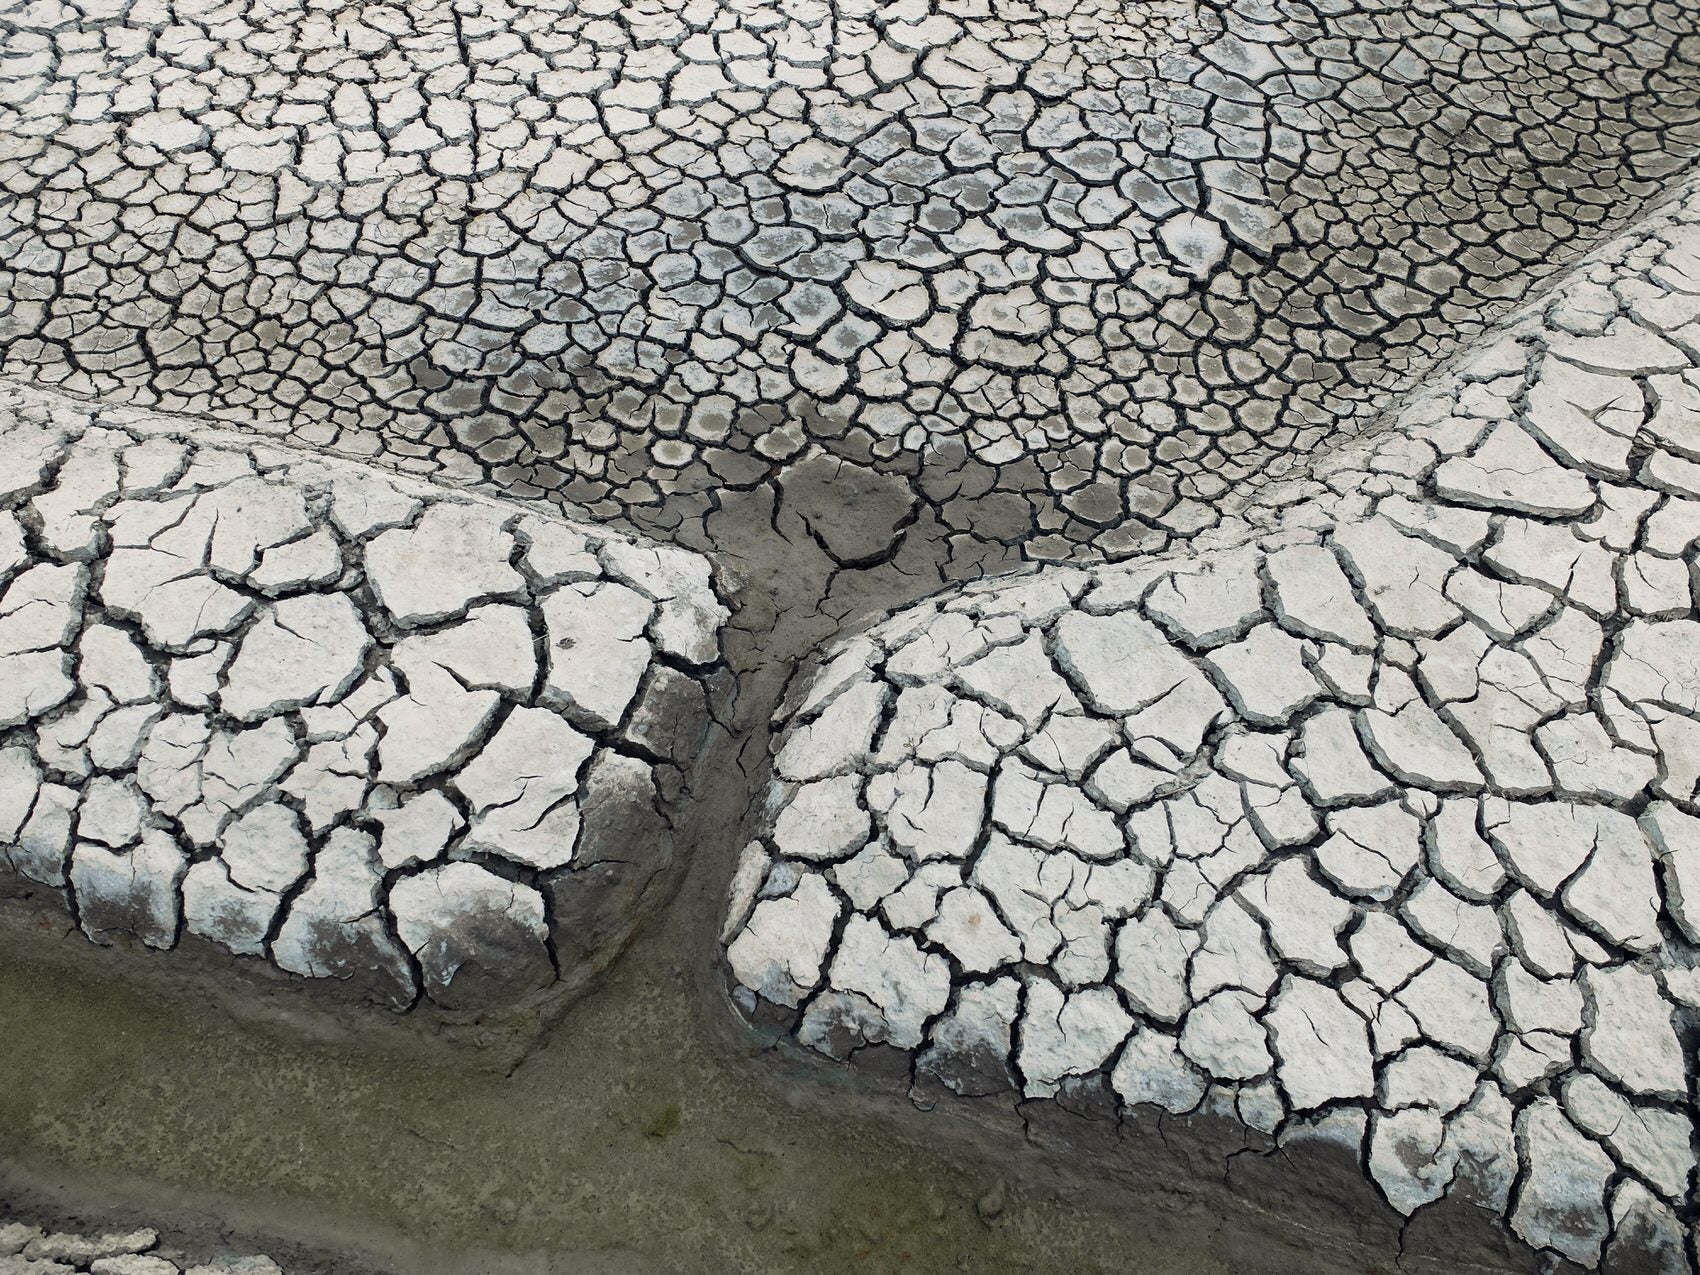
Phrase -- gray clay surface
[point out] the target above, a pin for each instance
(845, 635)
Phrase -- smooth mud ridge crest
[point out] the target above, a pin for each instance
(1111, 589)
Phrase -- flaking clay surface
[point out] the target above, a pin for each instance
(844, 636)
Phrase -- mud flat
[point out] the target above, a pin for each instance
(849, 637)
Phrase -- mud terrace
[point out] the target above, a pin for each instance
(332, 718)
(1368, 817)
(1140, 560)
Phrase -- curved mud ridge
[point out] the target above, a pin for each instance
(419, 745)
(688, 349)
(1369, 818)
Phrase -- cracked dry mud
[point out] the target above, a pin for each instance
(1151, 551)
(258, 722)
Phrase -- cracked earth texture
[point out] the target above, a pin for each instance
(1367, 815)
(236, 707)
(1080, 266)
(1184, 516)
